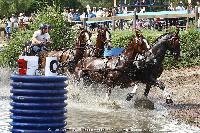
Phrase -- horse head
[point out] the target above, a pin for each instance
(168, 41)
(138, 44)
(174, 44)
(103, 38)
(83, 39)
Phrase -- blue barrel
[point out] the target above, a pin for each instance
(38, 104)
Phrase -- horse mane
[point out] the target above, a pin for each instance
(157, 39)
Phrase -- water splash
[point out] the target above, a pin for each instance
(87, 109)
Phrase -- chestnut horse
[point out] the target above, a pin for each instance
(68, 58)
(153, 65)
(103, 38)
(112, 72)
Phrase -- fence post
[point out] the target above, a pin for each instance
(84, 23)
(134, 19)
(113, 19)
(196, 16)
(187, 23)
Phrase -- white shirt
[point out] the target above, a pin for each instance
(25, 19)
(8, 24)
(199, 9)
(65, 16)
(99, 13)
(20, 19)
(70, 17)
(180, 8)
(41, 37)
(12, 19)
(198, 23)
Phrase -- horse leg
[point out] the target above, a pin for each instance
(166, 94)
(146, 91)
(108, 93)
(78, 73)
(132, 93)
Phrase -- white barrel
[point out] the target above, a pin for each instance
(32, 64)
(51, 66)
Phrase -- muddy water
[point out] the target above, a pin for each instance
(88, 111)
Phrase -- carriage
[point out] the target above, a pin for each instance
(100, 63)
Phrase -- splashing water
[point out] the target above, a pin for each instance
(88, 110)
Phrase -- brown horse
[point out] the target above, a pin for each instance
(112, 71)
(68, 58)
(103, 38)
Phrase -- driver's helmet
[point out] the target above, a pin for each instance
(43, 26)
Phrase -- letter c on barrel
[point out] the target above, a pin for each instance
(54, 66)
(51, 66)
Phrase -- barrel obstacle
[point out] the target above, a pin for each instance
(38, 102)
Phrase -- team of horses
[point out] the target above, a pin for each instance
(86, 61)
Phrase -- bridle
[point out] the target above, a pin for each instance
(80, 39)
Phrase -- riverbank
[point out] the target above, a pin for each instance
(185, 85)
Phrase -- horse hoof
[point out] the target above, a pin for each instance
(129, 96)
(169, 101)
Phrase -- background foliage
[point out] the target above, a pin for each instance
(62, 35)
(7, 7)
(190, 45)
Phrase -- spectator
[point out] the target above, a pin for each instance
(110, 12)
(99, 12)
(76, 16)
(92, 25)
(88, 8)
(124, 10)
(142, 10)
(91, 14)
(83, 15)
(20, 20)
(144, 2)
(12, 19)
(180, 6)
(31, 18)
(15, 26)
(198, 5)
(70, 15)
(94, 10)
(25, 21)
(105, 12)
(65, 14)
(137, 3)
(3, 28)
(172, 6)
(8, 29)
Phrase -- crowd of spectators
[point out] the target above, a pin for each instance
(71, 15)
(13, 23)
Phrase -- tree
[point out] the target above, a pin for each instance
(7, 7)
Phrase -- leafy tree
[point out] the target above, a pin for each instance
(7, 7)
(98, 3)
(62, 35)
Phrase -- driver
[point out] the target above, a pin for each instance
(40, 39)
